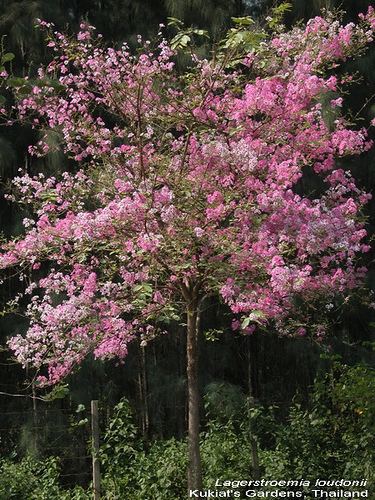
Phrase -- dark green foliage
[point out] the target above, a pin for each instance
(120, 438)
(330, 437)
(333, 437)
(223, 401)
(132, 470)
(29, 479)
(33, 479)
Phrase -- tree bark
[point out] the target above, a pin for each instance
(194, 468)
(143, 391)
(255, 468)
(35, 423)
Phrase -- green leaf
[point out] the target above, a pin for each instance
(49, 196)
(254, 317)
(200, 32)
(49, 82)
(139, 288)
(213, 334)
(282, 8)
(278, 14)
(173, 21)
(84, 421)
(25, 89)
(180, 41)
(147, 288)
(243, 39)
(243, 21)
(245, 323)
(58, 392)
(9, 56)
(2, 100)
(16, 82)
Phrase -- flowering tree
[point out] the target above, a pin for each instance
(186, 185)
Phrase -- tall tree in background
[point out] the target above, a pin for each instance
(186, 189)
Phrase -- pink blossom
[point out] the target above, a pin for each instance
(189, 189)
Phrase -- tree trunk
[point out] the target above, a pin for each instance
(143, 392)
(255, 469)
(194, 468)
(35, 423)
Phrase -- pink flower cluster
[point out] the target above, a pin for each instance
(187, 185)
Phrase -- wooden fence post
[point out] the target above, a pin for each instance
(95, 449)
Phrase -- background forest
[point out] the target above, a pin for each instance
(272, 407)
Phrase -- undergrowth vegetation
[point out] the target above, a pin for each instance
(330, 436)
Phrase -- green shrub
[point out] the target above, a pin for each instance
(333, 436)
(29, 479)
(33, 479)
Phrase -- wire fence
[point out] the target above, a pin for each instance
(43, 432)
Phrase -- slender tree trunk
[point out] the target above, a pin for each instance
(35, 422)
(143, 391)
(249, 369)
(255, 469)
(194, 468)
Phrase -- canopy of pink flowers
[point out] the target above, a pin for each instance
(187, 185)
